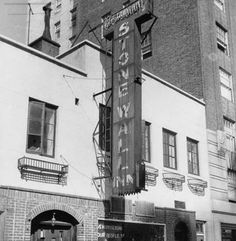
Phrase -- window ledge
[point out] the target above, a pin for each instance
(151, 174)
(42, 171)
(173, 180)
(197, 186)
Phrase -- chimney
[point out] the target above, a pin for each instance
(45, 43)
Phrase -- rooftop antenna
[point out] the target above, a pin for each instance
(29, 17)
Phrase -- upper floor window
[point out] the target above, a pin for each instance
(193, 162)
(126, 3)
(222, 39)
(146, 45)
(41, 128)
(229, 129)
(226, 87)
(58, 5)
(58, 29)
(146, 155)
(169, 149)
(200, 230)
(105, 127)
(73, 16)
(220, 4)
(102, 21)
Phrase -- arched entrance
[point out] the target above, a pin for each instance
(54, 225)
(181, 232)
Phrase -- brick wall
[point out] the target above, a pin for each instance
(176, 41)
(176, 45)
(184, 47)
(20, 206)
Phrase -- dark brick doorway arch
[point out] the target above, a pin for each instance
(54, 225)
(181, 232)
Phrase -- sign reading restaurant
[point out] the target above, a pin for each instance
(127, 168)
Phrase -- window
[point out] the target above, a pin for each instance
(147, 45)
(229, 129)
(58, 29)
(73, 16)
(222, 39)
(230, 155)
(72, 39)
(125, 4)
(169, 149)
(200, 230)
(58, 5)
(220, 4)
(41, 128)
(193, 163)
(105, 127)
(226, 87)
(228, 231)
(146, 141)
(102, 21)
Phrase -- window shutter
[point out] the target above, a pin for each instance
(143, 140)
(35, 126)
(49, 131)
(105, 127)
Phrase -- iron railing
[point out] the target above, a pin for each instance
(42, 171)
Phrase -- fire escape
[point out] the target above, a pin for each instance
(102, 133)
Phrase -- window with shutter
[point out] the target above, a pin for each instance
(41, 128)
(105, 127)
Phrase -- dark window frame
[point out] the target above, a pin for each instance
(45, 107)
(126, 3)
(192, 165)
(73, 16)
(166, 146)
(222, 40)
(146, 47)
(58, 29)
(105, 127)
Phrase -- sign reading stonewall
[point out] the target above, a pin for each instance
(127, 168)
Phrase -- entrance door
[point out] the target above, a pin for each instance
(54, 225)
(181, 232)
(53, 233)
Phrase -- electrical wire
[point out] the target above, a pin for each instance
(81, 173)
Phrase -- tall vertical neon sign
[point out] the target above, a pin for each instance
(126, 106)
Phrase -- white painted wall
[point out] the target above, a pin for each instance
(167, 107)
(25, 75)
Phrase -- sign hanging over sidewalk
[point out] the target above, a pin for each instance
(140, 6)
(128, 172)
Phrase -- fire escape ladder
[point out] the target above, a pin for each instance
(102, 131)
(102, 151)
